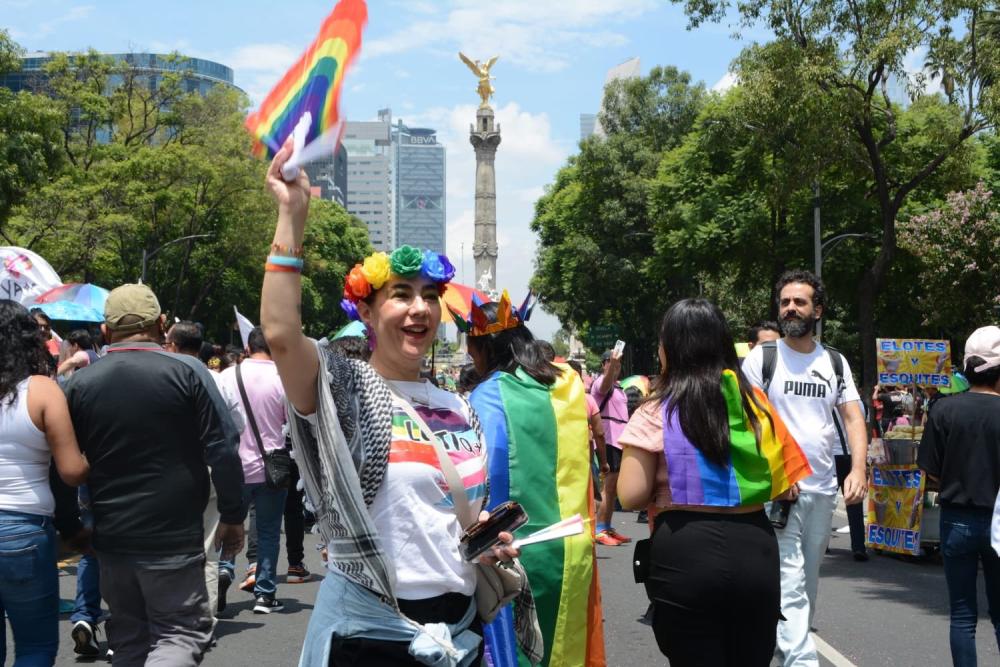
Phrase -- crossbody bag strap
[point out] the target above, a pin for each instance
(451, 476)
(250, 417)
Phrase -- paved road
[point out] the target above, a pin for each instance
(885, 612)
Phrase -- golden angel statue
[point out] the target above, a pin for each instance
(482, 71)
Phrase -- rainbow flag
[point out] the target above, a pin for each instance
(312, 84)
(539, 455)
(752, 476)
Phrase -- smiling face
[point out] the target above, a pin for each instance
(404, 316)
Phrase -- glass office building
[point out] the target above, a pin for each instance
(420, 188)
(199, 74)
(328, 177)
(370, 185)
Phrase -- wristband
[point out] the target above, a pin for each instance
(278, 268)
(293, 262)
(288, 251)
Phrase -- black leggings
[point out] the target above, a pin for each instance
(295, 521)
(715, 585)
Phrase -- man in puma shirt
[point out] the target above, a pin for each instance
(806, 392)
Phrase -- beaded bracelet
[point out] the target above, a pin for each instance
(287, 251)
(294, 262)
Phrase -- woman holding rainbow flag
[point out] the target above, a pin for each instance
(709, 450)
(535, 418)
(376, 446)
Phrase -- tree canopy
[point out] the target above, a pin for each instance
(849, 56)
(594, 223)
(141, 163)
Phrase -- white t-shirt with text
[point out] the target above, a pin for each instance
(804, 392)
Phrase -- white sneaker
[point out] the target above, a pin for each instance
(85, 640)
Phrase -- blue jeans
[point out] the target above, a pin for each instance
(88, 573)
(29, 588)
(270, 504)
(965, 540)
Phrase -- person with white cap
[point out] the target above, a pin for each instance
(960, 452)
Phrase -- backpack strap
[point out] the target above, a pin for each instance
(837, 361)
(769, 364)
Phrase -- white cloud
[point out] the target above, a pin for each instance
(526, 160)
(74, 14)
(727, 81)
(257, 67)
(536, 36)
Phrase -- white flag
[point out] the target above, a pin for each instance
(246, 326)
(24, 275)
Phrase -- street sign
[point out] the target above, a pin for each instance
(601, 337)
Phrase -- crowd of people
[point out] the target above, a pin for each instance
(174, 443)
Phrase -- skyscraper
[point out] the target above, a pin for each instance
(590, 124)
(370, 187)
(419, 164)
(328, 177)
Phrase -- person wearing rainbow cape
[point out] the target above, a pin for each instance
(534, 416)
(709, 450)
(370, 439)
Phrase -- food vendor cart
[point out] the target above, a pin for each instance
(902, 516)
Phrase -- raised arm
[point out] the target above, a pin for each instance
(281, 296)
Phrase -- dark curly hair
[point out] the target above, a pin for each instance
(806, 278)
(22, 349)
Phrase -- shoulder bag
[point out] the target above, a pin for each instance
(496, 585)
(277, 462)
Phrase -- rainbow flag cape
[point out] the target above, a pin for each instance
(312, 84)
(538, 454)
(752, 476)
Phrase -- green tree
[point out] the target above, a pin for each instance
(594, 223)
(29, 137)
(146, 164)
(957, 247)
(560, 343)
(848, 54)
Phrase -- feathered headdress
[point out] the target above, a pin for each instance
(479, 323)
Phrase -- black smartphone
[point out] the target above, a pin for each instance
(506, 517)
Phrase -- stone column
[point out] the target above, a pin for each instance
(485, 139)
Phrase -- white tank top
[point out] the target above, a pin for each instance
(24, 459)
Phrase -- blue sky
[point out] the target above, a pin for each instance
(553, 60)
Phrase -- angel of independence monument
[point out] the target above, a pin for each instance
(485, 137)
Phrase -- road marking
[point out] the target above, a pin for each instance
(835, 657)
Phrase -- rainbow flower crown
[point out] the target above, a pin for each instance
(405, 261)
(478, 323)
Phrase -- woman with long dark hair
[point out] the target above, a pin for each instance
(709, 451)
(534, 416)
(35, 428)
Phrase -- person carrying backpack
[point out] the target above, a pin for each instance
(808, 391)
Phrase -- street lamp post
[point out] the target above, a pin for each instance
(147, 255)
(824, 248)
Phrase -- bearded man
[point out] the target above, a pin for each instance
(811, 388)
